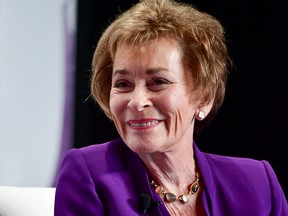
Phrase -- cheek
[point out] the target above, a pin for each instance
(117, 107)
(116, 104)
(179, 108)
(113, 106)
(174, 101)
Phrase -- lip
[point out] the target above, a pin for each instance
(143, 123)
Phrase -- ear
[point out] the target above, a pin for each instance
(203, 110)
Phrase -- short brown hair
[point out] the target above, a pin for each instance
(200, 36)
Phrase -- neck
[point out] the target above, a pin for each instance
(174, 170)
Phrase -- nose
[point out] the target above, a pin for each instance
(139, 100)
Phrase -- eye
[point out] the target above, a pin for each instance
(122, 85)
(159, 81)
(158, 84)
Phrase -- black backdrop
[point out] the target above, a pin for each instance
(253, 121)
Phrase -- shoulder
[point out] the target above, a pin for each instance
(234, 162)
(100, 158)
(233, 167)
(99, 152)
(229, 165)
(250, 180)
(236, 173)
(111, 145)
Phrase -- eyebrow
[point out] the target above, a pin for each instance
(149, 71)
(121, 71)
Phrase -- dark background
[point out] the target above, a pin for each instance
(253, 121)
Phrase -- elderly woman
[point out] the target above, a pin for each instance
(159, 72)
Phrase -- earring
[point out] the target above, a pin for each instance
(201, 115)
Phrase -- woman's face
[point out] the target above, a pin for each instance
(151, 97)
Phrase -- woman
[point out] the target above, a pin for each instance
(159, 72)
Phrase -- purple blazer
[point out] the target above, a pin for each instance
(108, 179)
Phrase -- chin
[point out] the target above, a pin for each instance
(142, 147)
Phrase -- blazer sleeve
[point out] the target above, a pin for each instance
(75, 190)
(279, 202)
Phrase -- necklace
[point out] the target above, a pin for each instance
(170, 197)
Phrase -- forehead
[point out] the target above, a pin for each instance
(156, 52)
(158, 57)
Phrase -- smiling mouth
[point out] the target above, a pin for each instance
(143, 124)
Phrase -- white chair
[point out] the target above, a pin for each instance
(27, 201)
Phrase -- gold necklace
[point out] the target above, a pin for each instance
(170, 197)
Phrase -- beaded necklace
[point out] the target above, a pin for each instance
(170, 197)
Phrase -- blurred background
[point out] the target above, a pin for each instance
(46, 50)
(35, 85)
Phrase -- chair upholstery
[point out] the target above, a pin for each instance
(26, 201)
